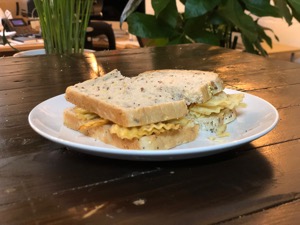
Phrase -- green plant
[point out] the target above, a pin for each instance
(209, 21)
(63, 24)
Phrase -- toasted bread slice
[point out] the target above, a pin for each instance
(150, 97)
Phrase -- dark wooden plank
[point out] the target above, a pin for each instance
(287, 213)
(43, 182)
(208, 190)
(46, 71)
(226, 63)
(280, 97)
(261, 79)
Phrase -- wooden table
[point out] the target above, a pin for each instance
(6, 50)
(122, 42)
(42, 182)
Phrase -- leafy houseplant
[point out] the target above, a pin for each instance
(63, 24)
(209, 21)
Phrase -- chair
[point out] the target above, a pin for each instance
(97, 28)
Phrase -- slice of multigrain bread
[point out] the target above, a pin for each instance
(150, 97)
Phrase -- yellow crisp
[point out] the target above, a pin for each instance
(84, 114)
(217, 103)
(157, 128)
(137, 132)
(93, 120)
(92, 123)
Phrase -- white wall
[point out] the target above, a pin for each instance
(11, 5)
(288, 35)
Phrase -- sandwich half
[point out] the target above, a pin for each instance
(155, 110)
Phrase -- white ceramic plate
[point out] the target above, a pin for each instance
(40, 52)
(254, 121)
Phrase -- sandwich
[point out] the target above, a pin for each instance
(157, 109)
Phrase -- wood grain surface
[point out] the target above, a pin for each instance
(42, 182)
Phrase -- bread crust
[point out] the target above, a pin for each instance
(154, 96)
(166, 140)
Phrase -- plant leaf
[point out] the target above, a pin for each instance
(263, 36)
(169, 14)
(284, 10)
(216, 19)
(232, 11)
(158, 42)
(248, 45)
(195, 29)
(195, 8)
(261, 8)
(207, 38)
(260, 49)
(194, 24)
(130, 7)
(147, 26)
(253, 47)
(180, 39)
(295, 6)
(158, 5)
